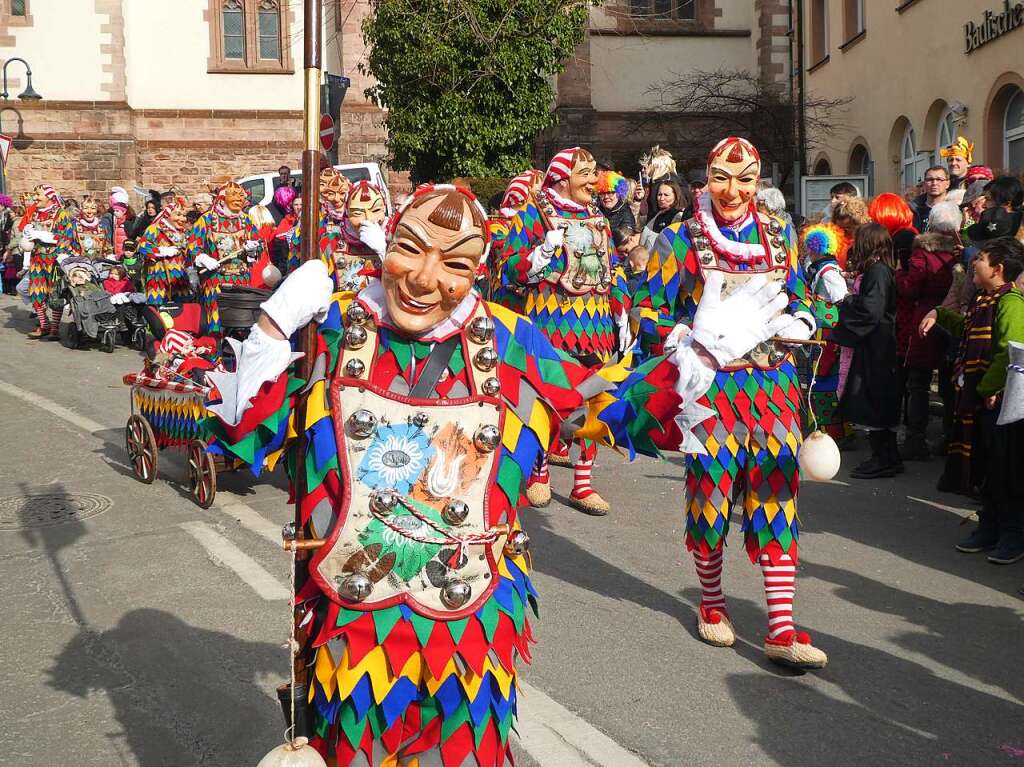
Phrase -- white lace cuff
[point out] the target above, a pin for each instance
(694, 380)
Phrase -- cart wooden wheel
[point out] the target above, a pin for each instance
(202, 474)
(142, 450)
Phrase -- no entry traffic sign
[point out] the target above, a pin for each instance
(326, 132)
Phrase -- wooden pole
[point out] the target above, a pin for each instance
(309, 250)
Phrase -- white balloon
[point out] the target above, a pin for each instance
(819, 457)
(296, 754)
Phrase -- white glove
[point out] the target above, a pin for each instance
(208, 263)
(625, 334)
(41, 235)
(304, 295)
(553, 240)
(27, 244)
(797, 328)
(371, 234)
(539, 259)
(167, 251)
(251, 246)
(26, 260)
(730, 327)
(675, 338)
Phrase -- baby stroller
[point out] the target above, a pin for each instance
(129, 306)
(89, 314)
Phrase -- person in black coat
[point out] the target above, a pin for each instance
(867, 324)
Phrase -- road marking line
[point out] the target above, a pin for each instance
(960, 511)
(555, 737)
(249, 518)
(50, 406)
(245, 567)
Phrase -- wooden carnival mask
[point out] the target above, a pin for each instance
(365, 203)
(334, 188)
(234, 197)
(734, 167)
(432, 260)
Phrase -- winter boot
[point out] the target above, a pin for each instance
(915, 447)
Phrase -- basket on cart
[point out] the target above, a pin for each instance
(169, 414)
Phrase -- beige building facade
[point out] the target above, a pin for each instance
(919, 73)
(610, 91)
(169, 94)
(165, 94)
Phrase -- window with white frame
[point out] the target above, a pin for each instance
(945, 135)
(1013, 133)
(908, 158)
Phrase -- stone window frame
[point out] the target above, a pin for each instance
(16, 21)
(703, 21)
(252, 64)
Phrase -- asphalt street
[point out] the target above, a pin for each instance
(147, 631)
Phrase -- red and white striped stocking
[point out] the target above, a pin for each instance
(779, 590)
(581, 475)
(709, 573)
(540, 470)
(40, 311)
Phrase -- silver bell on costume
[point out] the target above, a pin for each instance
(486, 359)
(355, 337)
(355, 587)
(383, 502)
(487, 438)
(355, 368)
(361, 424)
(481, 330)
(357, 314)
(455, 512)
(517, 543)
(455, 594)
(298, 753)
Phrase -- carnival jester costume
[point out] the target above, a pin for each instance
(558, 255)
(86, 236)
(164, 252)
(222, 243)
(424, 415)
(753, 434)
(520, 189)
(42, 227)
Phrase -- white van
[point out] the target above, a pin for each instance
(261, 186)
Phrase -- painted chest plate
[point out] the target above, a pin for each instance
(413, 526)
(586, 252)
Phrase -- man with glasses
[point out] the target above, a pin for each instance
(935, 187)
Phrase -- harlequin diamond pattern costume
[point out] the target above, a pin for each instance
(557, 254)
(222, 244)
(753, 436)
(422, 426)
(163, 249)
(85, 236)
(44, 225)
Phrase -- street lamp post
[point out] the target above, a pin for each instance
(29, 94)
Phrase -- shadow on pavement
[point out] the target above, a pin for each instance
(181, 694)
(972, 634)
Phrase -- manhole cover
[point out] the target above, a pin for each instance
(19, 512)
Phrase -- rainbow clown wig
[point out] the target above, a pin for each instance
(825, 241)
(610, 181)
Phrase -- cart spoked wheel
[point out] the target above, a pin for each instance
(202, 474)
(142, 450)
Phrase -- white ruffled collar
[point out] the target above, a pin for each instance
(738, 251)
(372, 297)
(560, 202)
